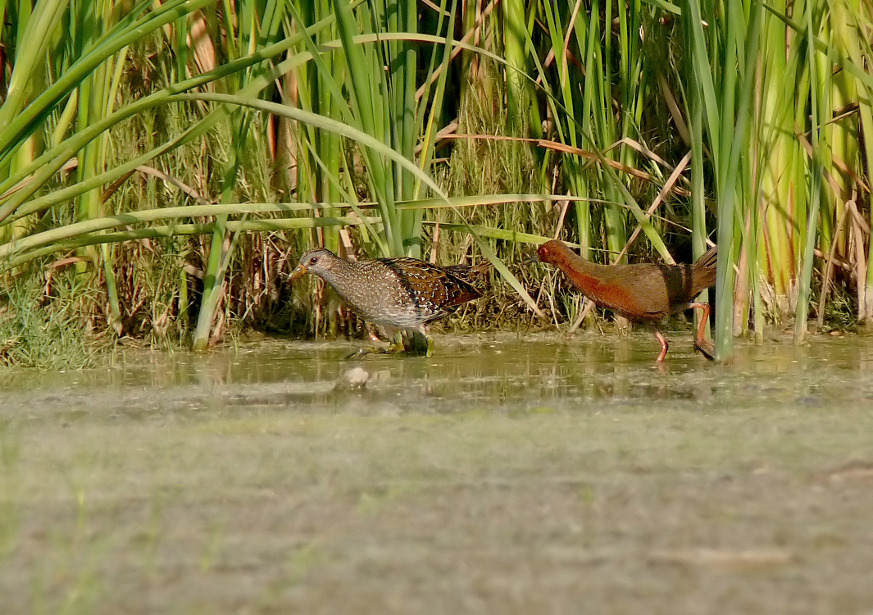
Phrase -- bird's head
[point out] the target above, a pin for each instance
(552, 251)
(317, 262)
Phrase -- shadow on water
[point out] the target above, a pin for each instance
(538, 372)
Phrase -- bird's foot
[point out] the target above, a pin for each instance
(416, 344)
(363, 352)
(706, 348)
(400, 346)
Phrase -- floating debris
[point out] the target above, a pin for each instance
(354, 379)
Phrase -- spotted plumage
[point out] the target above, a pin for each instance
(397, 293)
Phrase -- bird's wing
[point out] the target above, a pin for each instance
(431, 282)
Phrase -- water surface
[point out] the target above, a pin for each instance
(504, 474)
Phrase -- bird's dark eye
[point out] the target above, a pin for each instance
(312, 261)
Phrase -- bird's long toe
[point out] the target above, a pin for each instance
(706, 348)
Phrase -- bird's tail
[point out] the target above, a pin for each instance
(475, 275)
(703, 270)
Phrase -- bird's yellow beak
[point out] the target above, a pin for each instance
(298, 272)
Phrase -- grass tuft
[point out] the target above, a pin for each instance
(44, 330)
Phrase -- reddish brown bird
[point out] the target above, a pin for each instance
(643, 292)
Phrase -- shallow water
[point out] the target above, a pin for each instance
(465, 373)
(504, 474)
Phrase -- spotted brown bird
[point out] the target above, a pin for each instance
(642, 292)
(397, 293)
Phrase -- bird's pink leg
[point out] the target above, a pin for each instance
(664, 346)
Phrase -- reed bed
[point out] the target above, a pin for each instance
(163, 165)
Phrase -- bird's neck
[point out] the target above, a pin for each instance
(587, 276)
(339, 272)
(570, 261)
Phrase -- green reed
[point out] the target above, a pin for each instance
(654, 119)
